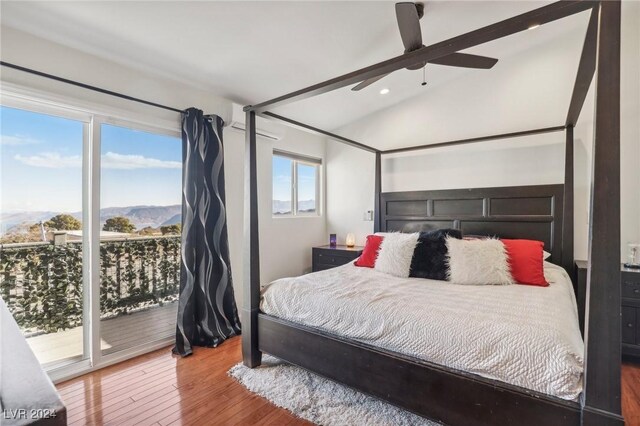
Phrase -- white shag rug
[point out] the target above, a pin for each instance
(317, 399)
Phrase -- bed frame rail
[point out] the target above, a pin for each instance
(434, 391)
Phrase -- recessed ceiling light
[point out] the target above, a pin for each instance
(533, 26)
(384, 91)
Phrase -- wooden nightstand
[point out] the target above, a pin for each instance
(630, 301)
(630, 312)
(325, 257)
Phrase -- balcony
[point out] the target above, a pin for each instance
(42, 285)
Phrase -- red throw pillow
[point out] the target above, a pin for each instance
(526, 260)
(370, 252)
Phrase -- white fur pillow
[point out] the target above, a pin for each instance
(396, 251)
(478, 262)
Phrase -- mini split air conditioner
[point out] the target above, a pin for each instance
(236, 125)
(265, 128)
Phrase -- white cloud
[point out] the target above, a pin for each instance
(14, 140)
(110, 160)
(50, 160)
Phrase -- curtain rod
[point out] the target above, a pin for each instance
(89, 87)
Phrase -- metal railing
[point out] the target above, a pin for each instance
(42, 283)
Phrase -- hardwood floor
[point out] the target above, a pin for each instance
(631, 394)
(160, 389)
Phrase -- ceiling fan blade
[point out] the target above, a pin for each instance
(409, 25)
(465, 60)
(367, 82)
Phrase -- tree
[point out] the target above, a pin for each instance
(119, 224)
(148, 231)
(63, 222)
(171, 229)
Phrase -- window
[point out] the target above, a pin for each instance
(296, 185)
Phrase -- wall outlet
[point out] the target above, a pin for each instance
(368, 216)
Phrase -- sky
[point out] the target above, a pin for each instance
(282, 180)
(41, 164)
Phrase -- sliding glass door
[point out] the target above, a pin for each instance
(90, 214)
(140, 217)
(42, 224)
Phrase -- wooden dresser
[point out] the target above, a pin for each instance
(326, 257)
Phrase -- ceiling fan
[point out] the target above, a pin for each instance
(408, 15)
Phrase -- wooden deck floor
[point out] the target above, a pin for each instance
(160, 389)
(117, 333)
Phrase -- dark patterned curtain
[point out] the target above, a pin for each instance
(207, 312)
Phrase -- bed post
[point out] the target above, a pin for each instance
(251, 355)
(567, 211)
(377, 218)
(601, 399)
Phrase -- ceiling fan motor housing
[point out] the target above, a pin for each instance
(419, 64)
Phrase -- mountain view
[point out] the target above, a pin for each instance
(41, 178)
(140, 216)
(280, 207)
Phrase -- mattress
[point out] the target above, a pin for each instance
(522, 335)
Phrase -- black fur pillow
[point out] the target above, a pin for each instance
(430, 255)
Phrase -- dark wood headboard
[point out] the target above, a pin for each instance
(531, 212)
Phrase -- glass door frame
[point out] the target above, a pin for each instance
(12, 96)
(67, 365)
(98, 358)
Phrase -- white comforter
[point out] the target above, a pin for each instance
(524, 335)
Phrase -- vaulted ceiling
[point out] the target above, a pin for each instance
(253, 51)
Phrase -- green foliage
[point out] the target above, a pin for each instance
(42, 284)
(119, 224)
(63, 222)
(171, 229)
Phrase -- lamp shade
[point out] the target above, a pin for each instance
(351, 240)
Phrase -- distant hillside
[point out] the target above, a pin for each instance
(140, 216)
(9, 220)
(174, 220)
(144, 216)
(284, 207)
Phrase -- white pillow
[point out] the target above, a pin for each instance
(396, 251)
(546, 255)
(478, 262)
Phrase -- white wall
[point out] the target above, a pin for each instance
(32, 52)
(536, 159)
(285, 243)
(350, 191)
(629, 142)
(630, 128)
(530, 160)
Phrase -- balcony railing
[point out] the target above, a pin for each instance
(42, 283)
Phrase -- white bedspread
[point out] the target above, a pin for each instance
(524, 335)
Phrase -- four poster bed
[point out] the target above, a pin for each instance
(541, 212)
